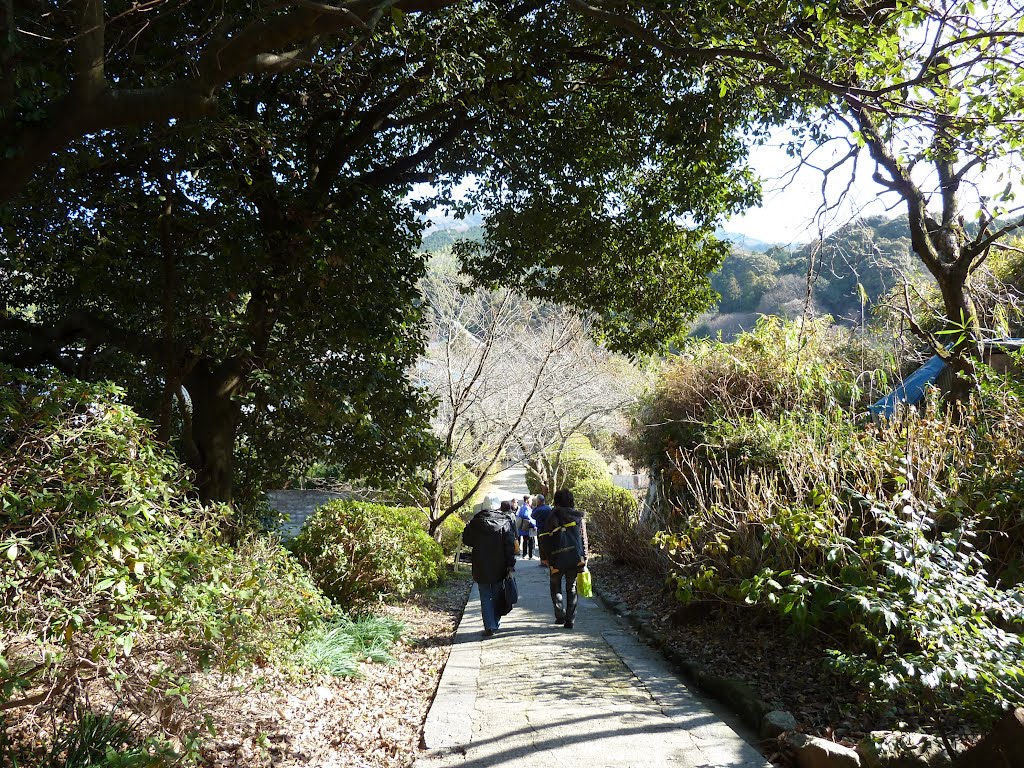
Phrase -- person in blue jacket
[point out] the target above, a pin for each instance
(541, 510)
(526, 528)
(491, 534)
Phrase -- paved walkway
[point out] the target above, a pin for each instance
(508, 484)
(537, 694)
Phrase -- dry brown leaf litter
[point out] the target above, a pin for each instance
(369, 722)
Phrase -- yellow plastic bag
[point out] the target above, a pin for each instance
(584, 584)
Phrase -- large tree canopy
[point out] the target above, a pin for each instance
(239, 251)
(932, 91)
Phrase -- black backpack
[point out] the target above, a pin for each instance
(566, 542)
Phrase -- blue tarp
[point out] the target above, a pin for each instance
(912, 390)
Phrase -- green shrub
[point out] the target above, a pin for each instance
(613, 523)
(253, 603)
(881, 534)
(360, 553)
(109, 566)
(574, 463)
(451, 533)
(929, 627)
(780, 367)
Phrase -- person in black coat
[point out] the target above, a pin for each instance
(491, 535)
(563, 546)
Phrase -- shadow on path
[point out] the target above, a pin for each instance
(590, 697)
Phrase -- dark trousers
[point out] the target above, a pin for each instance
(565, 612)
(526, 545)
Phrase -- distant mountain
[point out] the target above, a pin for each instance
(751, 244)
(853, 268)
(444, 231)
(439, 239)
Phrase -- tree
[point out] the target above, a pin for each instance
(506, 374)
(219, 290)
(950, 104)
(587, 391)
(220, 267)
(933, 92)
(79, 68)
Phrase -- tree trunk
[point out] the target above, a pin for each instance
(215, 417)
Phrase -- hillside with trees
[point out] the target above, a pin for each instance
(845, 276)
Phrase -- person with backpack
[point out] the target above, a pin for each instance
(563, 545)
(541, 510)
(526, 526)
(491, 535)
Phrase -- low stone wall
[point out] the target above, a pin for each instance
(298, 505)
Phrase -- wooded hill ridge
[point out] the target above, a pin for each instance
(873, 252)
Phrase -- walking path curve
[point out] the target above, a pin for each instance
(537, 694)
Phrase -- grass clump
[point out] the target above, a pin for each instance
(338, 647)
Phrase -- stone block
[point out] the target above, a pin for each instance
(894, 749)
(812, 752)
(776, 722)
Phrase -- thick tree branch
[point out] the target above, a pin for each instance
(367, 126)
(272, 44)
(49, 340)
(89, 56)
(400, 169)
(899, 180)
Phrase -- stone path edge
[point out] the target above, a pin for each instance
(452, 726)
(733, 694)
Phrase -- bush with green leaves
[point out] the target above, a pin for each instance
(780, 367)
(614, 526)
(566, 466)
(880, 533)
(451, 533)
(110, 568)
(360, 553)
(929, 626)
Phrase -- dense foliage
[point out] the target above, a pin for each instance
(359, 553)
(250, 277)
(777, 368)
(614, 523)
(902, 539)
(110, 570)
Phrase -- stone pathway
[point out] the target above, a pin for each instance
(508, 484)
(537, 694)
